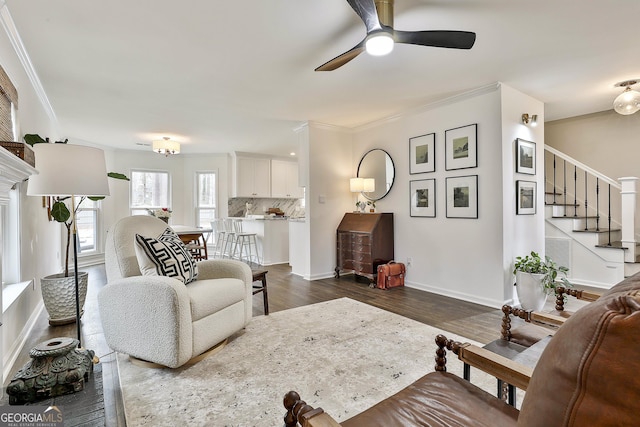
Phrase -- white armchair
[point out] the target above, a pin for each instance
(159, 319)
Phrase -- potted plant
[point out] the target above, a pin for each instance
(535, 279)
(361, 205)
(58, 290)
(372, 203)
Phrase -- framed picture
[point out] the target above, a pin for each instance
(525, 157)
(525, 198)
(422, 154)
(461, 147)
(423, 198)
(462, 197)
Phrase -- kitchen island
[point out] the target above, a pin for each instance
(272, 235)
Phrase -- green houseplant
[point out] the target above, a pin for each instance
(58, 290)
(536, 278)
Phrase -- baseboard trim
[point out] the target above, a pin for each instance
(458, 295)
(12, 354)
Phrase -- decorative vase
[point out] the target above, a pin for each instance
(59, 295)
(164, 218)
(531, 292)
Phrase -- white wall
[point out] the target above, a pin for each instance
(468, 259)
(182, 169)
(328, 197)
(521, 233)
(40, 239)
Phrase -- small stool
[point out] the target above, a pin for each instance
(261, 276)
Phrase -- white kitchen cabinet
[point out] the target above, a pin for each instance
(253, 177)
(284, 180)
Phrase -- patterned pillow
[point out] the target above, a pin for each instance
(165, 255)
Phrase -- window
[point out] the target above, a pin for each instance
(87, 225)
(149, 190)
(205, 198)
(9, 215)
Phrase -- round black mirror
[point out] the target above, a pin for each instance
(377, 164)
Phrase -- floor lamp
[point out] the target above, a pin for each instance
(63, 170)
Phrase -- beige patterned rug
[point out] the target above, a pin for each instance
(342, 355)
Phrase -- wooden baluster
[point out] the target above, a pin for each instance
(564, 187)
(609, 243)
(586, 203)
(575, 191)
(506, 323)
(295, 408)
(597, 204)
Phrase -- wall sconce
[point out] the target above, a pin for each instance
(530, 120)
(628, 102)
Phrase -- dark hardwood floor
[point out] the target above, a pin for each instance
(95, 407)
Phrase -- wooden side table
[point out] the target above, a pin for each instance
(261, 276)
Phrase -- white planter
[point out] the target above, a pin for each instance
(59, 295)
(531, 292)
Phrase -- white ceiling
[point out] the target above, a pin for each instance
(238, 75)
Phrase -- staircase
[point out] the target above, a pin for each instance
(590, 222)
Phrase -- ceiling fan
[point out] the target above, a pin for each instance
(377, 16)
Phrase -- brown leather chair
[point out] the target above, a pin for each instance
(586, 376)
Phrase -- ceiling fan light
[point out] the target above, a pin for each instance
(379, 44)
(628, 102)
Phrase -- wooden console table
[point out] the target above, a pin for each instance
(364, 241)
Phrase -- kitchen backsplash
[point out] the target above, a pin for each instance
(290, 207)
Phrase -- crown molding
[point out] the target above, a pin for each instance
(23, 56)
(430, 106)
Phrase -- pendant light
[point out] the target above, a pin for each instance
(628, 102)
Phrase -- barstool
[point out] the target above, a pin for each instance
(229, 237)
(218, 232)
(243, 244)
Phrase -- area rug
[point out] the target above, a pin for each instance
(342, 355)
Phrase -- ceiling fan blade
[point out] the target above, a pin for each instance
(437, 38)
(366, 10)
(340, 60)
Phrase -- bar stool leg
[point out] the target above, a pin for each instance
(264, 294)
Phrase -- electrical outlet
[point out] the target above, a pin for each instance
(409, 261)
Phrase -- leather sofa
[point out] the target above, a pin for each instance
(586, 376)
(160, 319)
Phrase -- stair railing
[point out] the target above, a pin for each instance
(624, 202)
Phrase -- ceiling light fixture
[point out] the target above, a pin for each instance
(530, 120)
(628, 102)
(379, 43)
(166, 146)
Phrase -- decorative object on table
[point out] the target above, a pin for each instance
(391, 275)
(56, 367)
(161, 213)
(536, 278)
(461, 147)
(422, 154)
(525, 157)
(248, 209)
(61, 170)
(462, 196)
(361, 205)
(422, 195)
(371, 203)
(526, 197)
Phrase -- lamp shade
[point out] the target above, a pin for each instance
(356, 185)
(68, 170)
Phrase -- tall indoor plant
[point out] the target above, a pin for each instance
(537, 278)
(58, 290)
